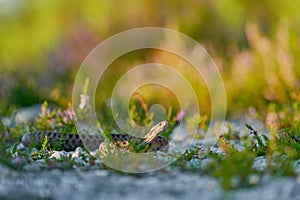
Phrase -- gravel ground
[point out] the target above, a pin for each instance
(104, 184)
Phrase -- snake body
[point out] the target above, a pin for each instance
(69, 142)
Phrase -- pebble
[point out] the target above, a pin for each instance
(77, 153)
(260, 163)
(297, 166)
(58, 155)
(254, 179)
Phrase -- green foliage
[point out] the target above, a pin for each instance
(281, 165)
(107, 135)
(58, 145)
(3, 143)
(234, 169)
(189, 154)
(105, 117)
(138, 111)
(259, 145)
(55, 119)
(43, 152)
(182, 161)
(138, 146)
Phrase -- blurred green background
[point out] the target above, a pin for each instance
(255, 44)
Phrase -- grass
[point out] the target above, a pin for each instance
(231, 166)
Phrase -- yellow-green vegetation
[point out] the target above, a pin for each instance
(255, 45)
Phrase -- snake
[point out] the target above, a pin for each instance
(69, 142)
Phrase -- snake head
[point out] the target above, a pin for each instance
(155, 131)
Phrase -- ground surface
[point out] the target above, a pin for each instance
(103, 184)
(70, 175)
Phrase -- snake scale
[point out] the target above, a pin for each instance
(69, 142)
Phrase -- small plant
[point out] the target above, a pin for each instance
(258, 145)
(235, 169)
(43, 153)
(55, 119)
(138, 110)
(182, 161)
(45, 144)
(190, 153)
(3, 144)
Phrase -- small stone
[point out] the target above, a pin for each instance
(97, 162)
(58, 155)
(297, 166)
(26, 139)
(101, 173)
(17, 161)
(260, 163)
(235, 181)
(298, 179)
(21, 146)
(94, 153)
(254, 179)
(77, 153)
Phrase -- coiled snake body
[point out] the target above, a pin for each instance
(69, 142)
